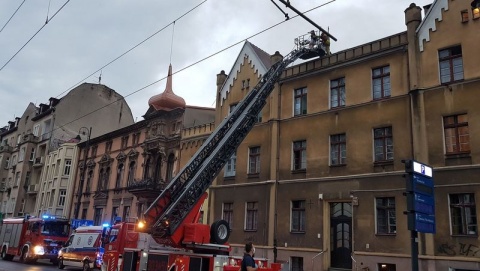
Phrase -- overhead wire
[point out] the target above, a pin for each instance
(190, 65)
(15, 12)
(46, 22)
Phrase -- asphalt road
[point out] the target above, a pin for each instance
(41, 265)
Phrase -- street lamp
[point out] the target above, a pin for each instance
(82, 177)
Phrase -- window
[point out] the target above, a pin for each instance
(386, 219)
(120, 171)
(62, 196)
(115, 210)
(298, 216)
(230, 167)
(88, 185)
(300, 155)
(124, 142)
(383, 142)
(17, 179)
(338, 149)
(451, 64)
(457, 136)
(300, 102)
(245, 83)
(463, 214)
(476, 12)
(84, 213)
(232, 107)
(135, 139)
(68, 167)
(297, 263)
(464, 14)
(337, 92)
(126, 213)
(228, 213)
(32, 155)
(94, 150)
(97, 218)
(21, 156)
(108, 146)
(251, 219)
(254, 160)
(131, 172)
(36, 129)
(381, 82)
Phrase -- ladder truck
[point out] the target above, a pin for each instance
(170, 237)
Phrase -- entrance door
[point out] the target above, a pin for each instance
(341, 234)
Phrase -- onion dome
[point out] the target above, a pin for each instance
(167, 100)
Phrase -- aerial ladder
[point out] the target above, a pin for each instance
(184, 195)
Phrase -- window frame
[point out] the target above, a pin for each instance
(67, 167)
(384, 91)
(338, 86)
(299, 155)
(450, 59)
(385, 146)
(337, 141)
(462, 205)
(254, 160)
(300, 101)
(230, 168)
(456, 126)
(386, 209)
(298, 207)
(227, 213)
(251, 216)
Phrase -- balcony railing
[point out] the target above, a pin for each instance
(38, 161)
(32, 189)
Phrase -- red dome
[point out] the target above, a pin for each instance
(167, 100)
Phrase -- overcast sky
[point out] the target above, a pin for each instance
(86, 35)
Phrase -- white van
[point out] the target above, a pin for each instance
(83, 248)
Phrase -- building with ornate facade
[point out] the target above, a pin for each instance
(122, 172)
(318, 183)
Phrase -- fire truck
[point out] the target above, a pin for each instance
(33, 238)
(170, 237)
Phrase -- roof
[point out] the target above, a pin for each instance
(259, 59)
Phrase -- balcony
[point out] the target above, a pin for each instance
(39, 161)
(145, 188)
(6, 148)
(33, 189)
(30, 138)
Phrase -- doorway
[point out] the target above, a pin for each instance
(341, 234)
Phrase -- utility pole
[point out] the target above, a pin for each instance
(82, 177)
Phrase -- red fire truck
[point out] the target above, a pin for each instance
(33, 238)
(170, 237)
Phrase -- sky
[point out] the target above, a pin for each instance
(130, 43)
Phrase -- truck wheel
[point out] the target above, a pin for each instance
(5, 256)
(60, 264)
(86, 266)
(23, 257)
(219, 232)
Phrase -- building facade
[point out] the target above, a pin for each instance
(318, 183)
(28, 141)
(121, 173)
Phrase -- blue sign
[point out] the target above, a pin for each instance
(420, 197)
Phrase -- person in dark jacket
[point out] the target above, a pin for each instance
(248, 264)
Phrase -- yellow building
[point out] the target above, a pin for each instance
(318, 183)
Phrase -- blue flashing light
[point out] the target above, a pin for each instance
(106, 225)
(48, 217)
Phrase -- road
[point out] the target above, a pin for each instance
(41, 265)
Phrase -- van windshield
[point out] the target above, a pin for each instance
(56, 229)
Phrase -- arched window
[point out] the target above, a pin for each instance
(106, 177)
(100, 179)
(131, 172)
(158, 168)
(146, 172)
(88, 185)
(120, 171)
(170, 164)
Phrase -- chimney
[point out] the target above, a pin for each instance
(221, 77)
(276, 58)
(413, 18)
